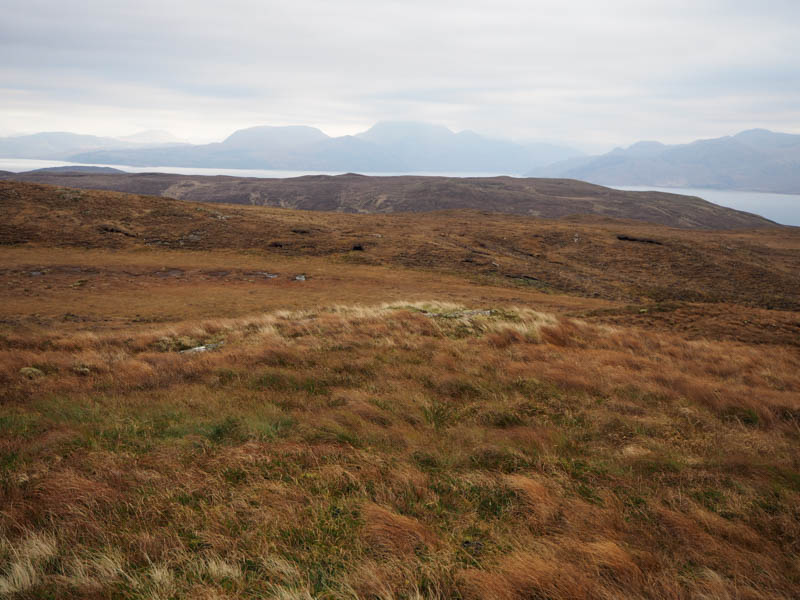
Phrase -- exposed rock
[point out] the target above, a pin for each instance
(113, 229)
(31, 372)
(205, 348)
(524, 277)
(169, 273)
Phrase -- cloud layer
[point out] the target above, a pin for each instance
(584, 72)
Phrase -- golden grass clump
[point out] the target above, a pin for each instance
(393, 534)
(25, 558)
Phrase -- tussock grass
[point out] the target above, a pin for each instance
(405, 450)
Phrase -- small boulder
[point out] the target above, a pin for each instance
(31, 372)
(205, 348)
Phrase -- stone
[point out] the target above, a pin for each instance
(31, 372)
(206, 348)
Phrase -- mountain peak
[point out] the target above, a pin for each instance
(643, 148)
(394, 131)
(755, 131)
(756, 159)
(152, 136)
(286, 136)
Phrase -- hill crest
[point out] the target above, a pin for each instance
(546, 198)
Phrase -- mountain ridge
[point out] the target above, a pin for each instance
(60, 145)
(388, 146)
(352, 193)
(756, 160)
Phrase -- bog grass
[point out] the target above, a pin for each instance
(406, 450)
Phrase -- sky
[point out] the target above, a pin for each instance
(589, 74)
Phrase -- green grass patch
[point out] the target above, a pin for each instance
(745, 416)
(281, 382)
(439, 414)
(491, 502)
(502, 460)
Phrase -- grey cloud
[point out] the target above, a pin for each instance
(606, 72)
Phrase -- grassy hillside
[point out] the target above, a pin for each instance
(583, 256)
(417, 450)
(546, 198)
(407, 420)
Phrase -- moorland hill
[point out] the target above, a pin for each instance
(351, 193)
(218, 401)
(588, 256)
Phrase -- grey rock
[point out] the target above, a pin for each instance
(206, 348)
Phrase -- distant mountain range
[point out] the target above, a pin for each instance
(59, 145)
(153, 137)
(386, 147)
(757, 159)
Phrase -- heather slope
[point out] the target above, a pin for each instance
(413, 450)
(546, 198)
(220, 401)
(576, 257)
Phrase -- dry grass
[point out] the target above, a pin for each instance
(404, 450)
(754, 268)
(382, 432)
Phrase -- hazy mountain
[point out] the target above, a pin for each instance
(152, 136)
(85, 169)
(280, 138)
(55, 145)
(425, 147)
(60, 145)
(247, 148)
(757, 159)
(389, 146)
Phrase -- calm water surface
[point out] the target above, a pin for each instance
(781, 208)
(18, 165)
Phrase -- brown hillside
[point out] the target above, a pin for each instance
(588, 259)
(244, 402)
(546, 198)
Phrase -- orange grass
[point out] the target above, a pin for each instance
(403, 450)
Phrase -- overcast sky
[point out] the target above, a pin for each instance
(592, 74)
